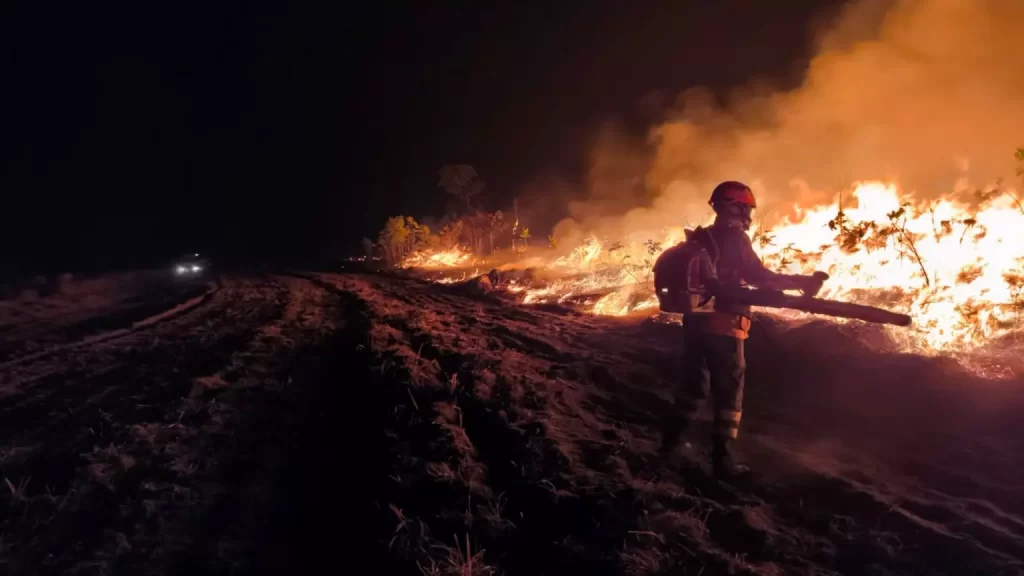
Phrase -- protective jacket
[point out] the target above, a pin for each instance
(736, 264)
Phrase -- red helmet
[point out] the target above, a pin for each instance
(730, 191)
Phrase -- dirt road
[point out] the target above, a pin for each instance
(269, 424)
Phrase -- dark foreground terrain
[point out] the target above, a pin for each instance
(367, 424)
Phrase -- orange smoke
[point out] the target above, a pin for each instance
(908, 108)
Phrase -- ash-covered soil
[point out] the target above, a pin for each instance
(363, 423)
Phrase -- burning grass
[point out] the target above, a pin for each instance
(956, 265)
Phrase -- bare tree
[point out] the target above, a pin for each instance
(461, 181)
(476, 228)
(496, 227)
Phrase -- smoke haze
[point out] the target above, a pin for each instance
(923, 92)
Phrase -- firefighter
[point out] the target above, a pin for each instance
(713, 358)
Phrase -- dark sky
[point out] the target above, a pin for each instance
(141, 131)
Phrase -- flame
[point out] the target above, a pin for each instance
(450, 258)
(956, 265)
(446, 279)
(956, 268)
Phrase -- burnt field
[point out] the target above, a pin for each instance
(269, 424)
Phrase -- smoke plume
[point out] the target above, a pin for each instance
(923, 92)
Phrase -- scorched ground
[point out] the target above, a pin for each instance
(281, 422)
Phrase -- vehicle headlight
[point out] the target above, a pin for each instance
(196, 268)
(181, 270)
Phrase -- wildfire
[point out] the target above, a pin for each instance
(955, 265)
(957, 268)
(451, 258)
(446, 279)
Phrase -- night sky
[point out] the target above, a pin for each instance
(135, 133)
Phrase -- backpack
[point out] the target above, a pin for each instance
(683, 275)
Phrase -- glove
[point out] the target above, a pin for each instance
(811, 285)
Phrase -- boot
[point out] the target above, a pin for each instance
(723, 460)
(674, 430)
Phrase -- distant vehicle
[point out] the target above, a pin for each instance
(190, 265)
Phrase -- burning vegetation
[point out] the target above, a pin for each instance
(886, 181)
(955, 264)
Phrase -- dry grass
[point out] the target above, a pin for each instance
(502, 440)
(533, 435)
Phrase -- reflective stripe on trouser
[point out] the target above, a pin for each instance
(712, 365)
(727, 423)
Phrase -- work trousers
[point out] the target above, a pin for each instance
(712, 363)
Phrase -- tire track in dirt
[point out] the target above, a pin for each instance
(265, 475)
(31, 387)
(323, 508)
(504, 479)
(75, 309)
(91, 432)
(430, 483)
(528, 479)
(100, 337)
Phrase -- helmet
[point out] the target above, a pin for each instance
(730, 191)
(733, 202)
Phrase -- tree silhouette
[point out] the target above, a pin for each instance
(401, 236)
(393, 239)
(449, 235)
(461, 181)
(495, 228)
(476, 229)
